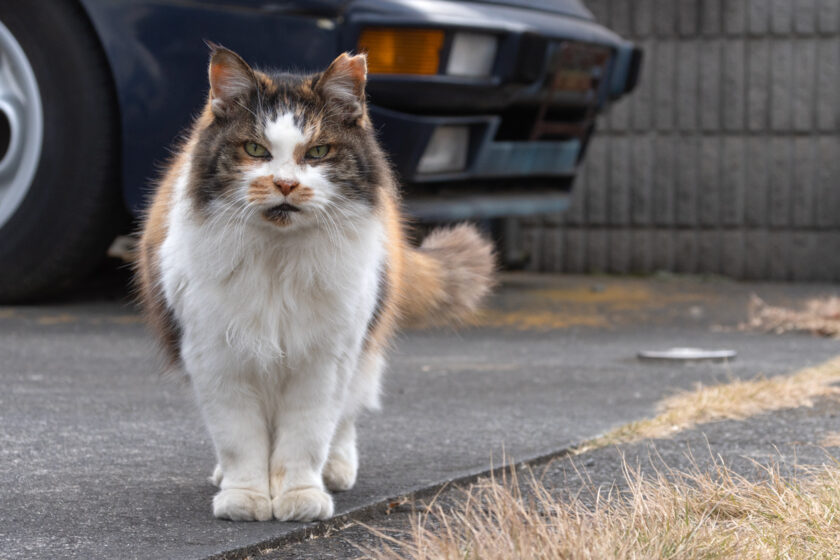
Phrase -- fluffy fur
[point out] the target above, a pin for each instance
(277, 280)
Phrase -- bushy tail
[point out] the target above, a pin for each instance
(446, 278)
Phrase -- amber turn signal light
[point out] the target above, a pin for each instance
(402, 50)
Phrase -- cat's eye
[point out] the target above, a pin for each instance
(255, 150)
(317, 152)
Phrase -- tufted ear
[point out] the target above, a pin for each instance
(343, 84)
(230, 78)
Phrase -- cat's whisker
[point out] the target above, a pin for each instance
(239, 228)
(228, 214)
(235, 218)
(345, 224)
(348, 219)
(336, 237)
(241, 104)
(330, 228)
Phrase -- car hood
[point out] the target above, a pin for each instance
(573, 8)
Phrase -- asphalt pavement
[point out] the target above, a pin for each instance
(102, 457)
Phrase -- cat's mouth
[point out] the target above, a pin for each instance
(281, 212)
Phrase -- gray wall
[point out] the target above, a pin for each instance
(725, 160)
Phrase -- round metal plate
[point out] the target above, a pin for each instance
(688, 354)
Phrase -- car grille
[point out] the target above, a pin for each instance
(568, 100)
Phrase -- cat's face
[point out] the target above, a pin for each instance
(285, 150)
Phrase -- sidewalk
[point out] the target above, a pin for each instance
(101, 458)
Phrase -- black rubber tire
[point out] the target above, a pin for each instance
(71, 212)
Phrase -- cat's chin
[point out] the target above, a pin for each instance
(281, 214)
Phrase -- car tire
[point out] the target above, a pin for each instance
(60, 203)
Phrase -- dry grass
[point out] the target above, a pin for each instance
(728, 401)
(709, 514)
(821, 316)
(704, 513)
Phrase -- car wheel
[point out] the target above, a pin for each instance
(59, 193)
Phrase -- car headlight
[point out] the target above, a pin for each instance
(446, 151)
(418, 51)
(472, 55)
(402, 50)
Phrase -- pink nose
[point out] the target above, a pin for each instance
(286, 186)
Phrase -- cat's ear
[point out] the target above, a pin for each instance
(230, 79)
(343, 84)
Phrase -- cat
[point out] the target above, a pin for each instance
(274, 267)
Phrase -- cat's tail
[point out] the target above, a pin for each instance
(446, 278)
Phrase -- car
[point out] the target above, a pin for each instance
(485, 106)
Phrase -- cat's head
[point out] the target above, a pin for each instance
(286, 150)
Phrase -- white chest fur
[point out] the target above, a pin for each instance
(266, 296)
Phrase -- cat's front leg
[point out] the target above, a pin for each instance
(362, 392)
(304, 426)
(343, 462)
(234, 416)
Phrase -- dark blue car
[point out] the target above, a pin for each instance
(485, 106)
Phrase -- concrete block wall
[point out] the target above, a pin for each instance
(725, 160)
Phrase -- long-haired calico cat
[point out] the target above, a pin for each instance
(274, 267)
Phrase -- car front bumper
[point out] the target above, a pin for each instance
(528, 121)
(487, 158)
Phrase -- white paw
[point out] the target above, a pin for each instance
(242, 505)
(303, 504)
(340, 474)
(216, 477)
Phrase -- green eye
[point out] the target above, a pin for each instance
(255, 150)
(317, 152)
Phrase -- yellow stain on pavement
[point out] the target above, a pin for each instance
(538, 320)
(60, 319)
(7, 313)
(126, 319)
(614, 295)
(585, 304)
